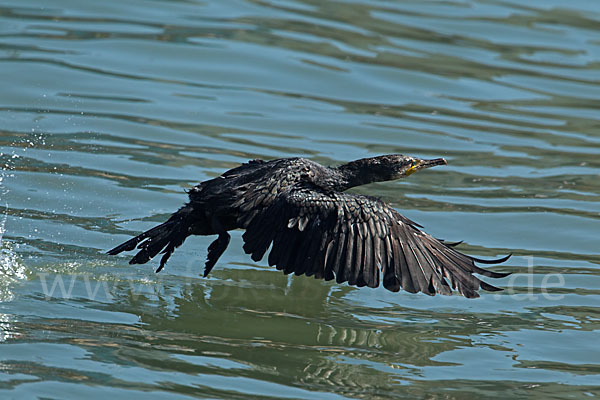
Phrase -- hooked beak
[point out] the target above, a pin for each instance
(422, 164)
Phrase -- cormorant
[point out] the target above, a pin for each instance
(299, 207)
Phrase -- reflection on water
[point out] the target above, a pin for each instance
(110, 110)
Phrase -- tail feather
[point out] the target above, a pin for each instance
(131, 243)
(166, 237)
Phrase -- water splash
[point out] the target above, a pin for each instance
(7, 328)
(11, 269)
(3, 223)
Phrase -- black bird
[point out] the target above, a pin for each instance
(300, 209)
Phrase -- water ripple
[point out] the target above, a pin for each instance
(112, 109)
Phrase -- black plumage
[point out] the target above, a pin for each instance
(314, 228)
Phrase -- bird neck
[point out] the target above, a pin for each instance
(357, 173)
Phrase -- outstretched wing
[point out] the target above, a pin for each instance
(356, 239)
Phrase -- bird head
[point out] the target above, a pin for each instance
(385, 168)
(404, 166)
(396, 166)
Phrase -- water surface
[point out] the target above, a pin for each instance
(111, 109)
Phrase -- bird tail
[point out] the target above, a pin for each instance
(166, 237)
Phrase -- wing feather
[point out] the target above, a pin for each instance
(340, 257)
(343, 273)
(358, 257)
(367, 270)
(357, 239)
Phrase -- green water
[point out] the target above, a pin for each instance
(110, 109)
